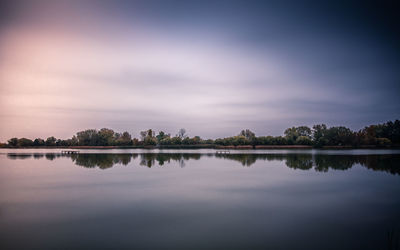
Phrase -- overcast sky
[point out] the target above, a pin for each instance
(213, 67)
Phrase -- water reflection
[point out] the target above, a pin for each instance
(318, 162)
(240, 201)
(102, 161)
(150, 160)
(322, 162)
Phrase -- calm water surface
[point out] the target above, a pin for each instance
(195, 199)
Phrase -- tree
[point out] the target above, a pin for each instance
(136, 142)
(13, 142)
(65, 143)
(248, 134)
(181, 133)
(303, 140)
(389, 130)
(319, 133)
(196, 140)
(74, 141)
(383, 142)
(304, 131)
(150, 141)
(106, 137)
(124, 139)
(280, 140)
(176, 140)
(87, 137)
(186, 141)
(293, 133)
(241, 139)
(148, 133)
(161, 136)
(148, 137)
(38, 142)
(24, 142)
(51, 141)
(209, 141)
(165, 141)
(339, 136)
(143, 135)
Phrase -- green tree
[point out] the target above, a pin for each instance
(339, 136)
(38, 142)
(304, 131)
(161, 136)
(165, 141)
(24, 142)
(136, 142)
(196, 140)
(291, 135)
(13, 142)
(51, 141)
(87, 137)
(106, 137)
(319, 135)
(124, 139)
(146, 134)
(303, 140)
(150, 141)
(383, 142)
(74, 141)
(280, 140)
(248, 134)
(176, 140)
(148, 137)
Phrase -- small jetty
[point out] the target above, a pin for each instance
(69, 152)
(222, 152)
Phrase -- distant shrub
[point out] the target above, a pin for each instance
(303, 140)
(383, 142)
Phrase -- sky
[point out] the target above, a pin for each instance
(211, 67)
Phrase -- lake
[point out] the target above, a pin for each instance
(196, 199)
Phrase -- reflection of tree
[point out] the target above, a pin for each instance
(250, 159)
(50, 156)
(245, 159)
(162, 158)
(298, 161)
(147, 160)
(18, 156)
(387, 163)
(102, 161)
(320, 162)
(125, 159)
(38, 156)
(339, 162)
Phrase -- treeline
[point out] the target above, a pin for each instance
(381, 135)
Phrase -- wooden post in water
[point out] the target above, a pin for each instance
(69, 152)
(222, 152)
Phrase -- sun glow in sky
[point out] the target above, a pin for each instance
(212, 68)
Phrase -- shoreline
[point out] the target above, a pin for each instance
(206, 146)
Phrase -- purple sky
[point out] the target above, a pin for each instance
(213, 68)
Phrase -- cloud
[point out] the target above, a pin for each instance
(68, 66)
